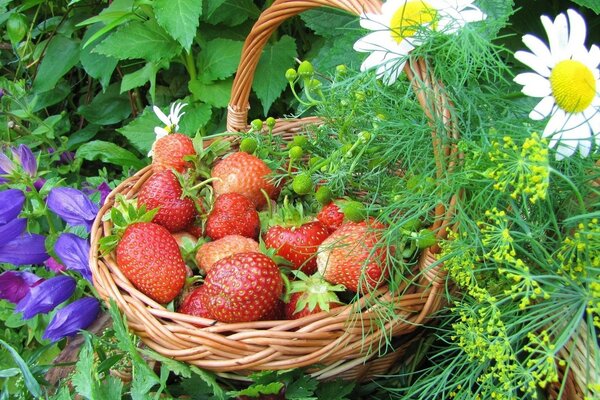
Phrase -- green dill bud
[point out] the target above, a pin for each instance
(314, 161)
(364, 136)
(295, 152)
(256, 125)
(324, 195)
(314, 84)
(271, 122)
(353, 210)
(306, 70)
(360, 95)
(300, 140)
(425, 238)
(248, 145)
(341, 70)
(302, 184)
(291, 75)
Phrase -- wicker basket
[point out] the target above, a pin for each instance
(346, 343)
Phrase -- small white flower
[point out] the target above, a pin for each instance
(566, 77)
(171, 122)
(400, 28)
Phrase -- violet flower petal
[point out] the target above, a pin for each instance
(11, 230)
(39, 184)
(26, 249)
(74, 252)
(54, 265)
(46, 296)
(11, 204)
(73, 206)
(6, 164)
(72, 318)
(14, 285)
(26, 158)
(104, 190)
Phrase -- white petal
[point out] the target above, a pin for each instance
(161, 115)
(560, 40)
(532, 61)
(535, 86)
(539, 48)
(375, 59)
(389, 7)
(555, 124)
(564, 150)
(160, 132)
(585, 146)
(594, 57)
(594, 121)
(473, 15)
(374, 22)
(376, 41)
(542, 109)
(577, 29)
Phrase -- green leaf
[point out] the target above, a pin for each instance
(302, 388)
(328, 54)
(39, 101)
(257, 389)
(107, 107)
(180, 18)
(593, 5)
(195, 117)
(269, 79)
(174, 366)
(146, 40)
(109, 153)
(82, 136)
(216, 93)
(61, 55)
(30, 382)
(327, 21)
(334, 390)
(97, 65)
(231, 12)
(210, 379)
(143, 75)
(140, 131)
(219, 59)
(83, 379)
(9, 372)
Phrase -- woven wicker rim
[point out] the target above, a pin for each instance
(335, 344)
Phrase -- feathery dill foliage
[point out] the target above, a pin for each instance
(524, 262)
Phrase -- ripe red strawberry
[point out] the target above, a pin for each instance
(243, 287)
(195, 303)
(311, 295)
(245, 174)
(352, 257)
(277, 313)
(211, 252)
(162, 190)
(170, 150)
(331, 216)
(149, 257)
(233, 214)
(298, 245)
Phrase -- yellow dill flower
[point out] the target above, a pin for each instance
(522, 171)
(543, 361)
(580, 251)
(496, 237)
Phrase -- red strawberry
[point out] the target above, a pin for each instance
(278, 313)
(233, 214)
(331, 216)
(245, 174)
(195, 303)
(211, 252)
(243, 287)
(162, 190)
(351, 256)
(298, 245)
(311, 295)
(170, 150)
(149, 257)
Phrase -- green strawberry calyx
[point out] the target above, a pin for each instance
(286, 215)
(315, 290)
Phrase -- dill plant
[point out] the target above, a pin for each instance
(523, 260)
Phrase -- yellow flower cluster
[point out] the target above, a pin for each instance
(543, 362)
(580, 251)
(521, 170)
(593, 306)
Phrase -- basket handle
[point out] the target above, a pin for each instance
(267, 23)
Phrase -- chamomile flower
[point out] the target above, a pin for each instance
(401, 27)
(566, 76)
(171, 121)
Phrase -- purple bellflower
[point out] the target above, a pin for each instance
(11, 204)
(73, 206)
(29, 248)
(46, 296)
(54, 265)
(14, 285)
(72, 318)
(74, 252)
(11, 230)
(24, 156)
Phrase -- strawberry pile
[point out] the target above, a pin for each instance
(255, 241)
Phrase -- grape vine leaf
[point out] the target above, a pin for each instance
(61, 55)
(146, 40)
(269, 78)
(219, 58)
(593, 5)
(231, 12)
(140, 131)
(215, 93)
(145, 74)
(180, 18)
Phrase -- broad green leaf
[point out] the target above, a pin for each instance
(145, 74)
(107, 107)
(212, 5)
(97, 65)
(61, 55)
(335, 390)
(146, 40)
(8, 372)
(302, 388)
(327, 21)
(111, 388)
(211, 380)
(269, 78)
(177, 367)
(593, 5)
(232, 12)
(109, 153)
(180, 18)
(140, 131)
(219, 59)
(258, 389)
(32, 385)
(83, 379)
(326, 54)
(82, 136)
(196, 117)
(216, 93)
(39, 101)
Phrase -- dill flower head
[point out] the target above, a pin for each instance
(579, 252)
(520, 170)
(567, 78)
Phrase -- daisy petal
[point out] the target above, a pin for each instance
(161, 115)
(473, 15)
(535, 86)
(533, 62)
(375, 59)
(539, 48)
(555, 124)
(564, 150)
(542, 109)
(373, 22)
(577, 28)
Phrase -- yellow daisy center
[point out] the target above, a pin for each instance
(573, 85)
(407, 19)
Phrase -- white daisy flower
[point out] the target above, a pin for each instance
(400, 26)
(171, 122)
(566, 76)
